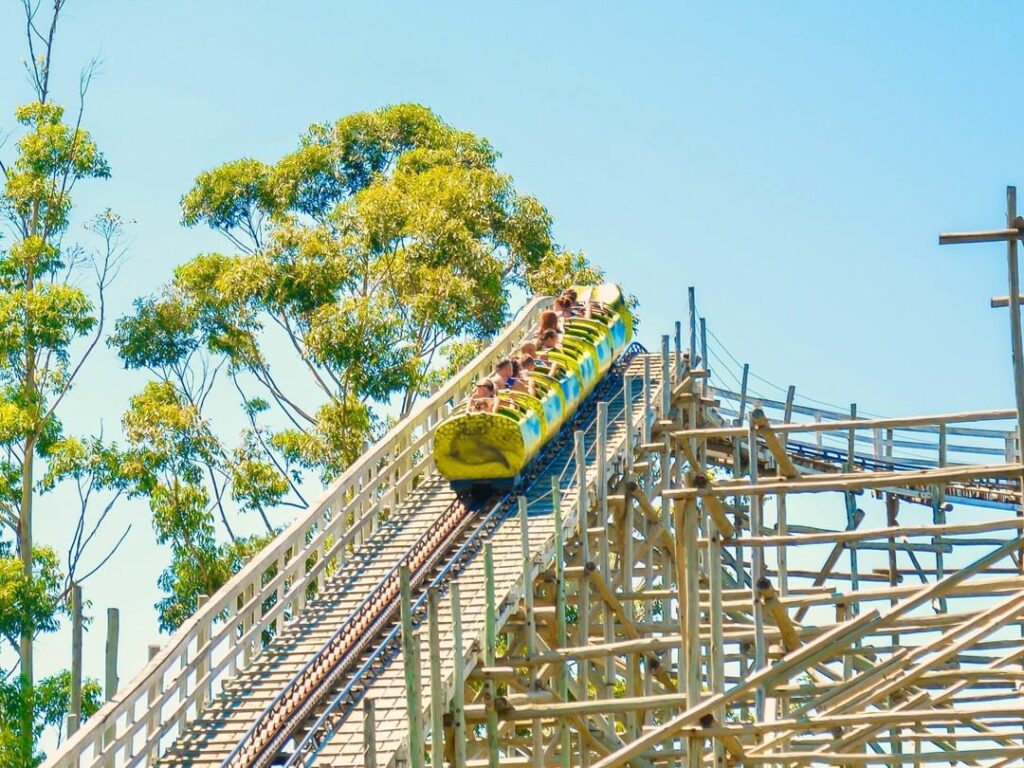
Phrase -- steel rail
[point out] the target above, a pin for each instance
(307, 689)
(314, 680)
(326, 725)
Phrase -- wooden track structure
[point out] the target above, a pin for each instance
(695, 577)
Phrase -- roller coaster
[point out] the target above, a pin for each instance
(617, 595)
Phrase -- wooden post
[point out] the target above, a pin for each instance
(627, 414)
(527, 561)
(648, 404)
(459, 681)
(113, 630)
(437, 703)
(939, 516)
(688, 578)
(704, 361)
(605, 543)
(691, 297)
(110, 671)
(743, 393)
(677, 359)
(717, 639)
(410, 657)
(757, 571)
(561, 630)
(892, 509)
(153, 717)
(203, 667)
(248, 621)
(583, 608)
(737, 471)
(1017, 347)
(1013, 281)
(851, 509)
(490, 651)
(667, 379)
(370, 734)
(75, 707)
(787, 415)
(782, 522)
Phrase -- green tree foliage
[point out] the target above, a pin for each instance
(372, 261)
(51, 702)
(49, 324)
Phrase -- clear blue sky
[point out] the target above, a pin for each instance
(794, 161)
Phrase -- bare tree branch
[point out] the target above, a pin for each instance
(110, 554)
(106, 268)
(266, 449)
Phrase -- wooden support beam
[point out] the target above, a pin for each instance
(778, 613)
(459, 732)
(904, 532)
(832, 560)
(1003, 301)
(561, 628)
(713, 505)
(110, 653)
(756, 572)
(410, 659)
(627, 625)
(855, 481)
(709, 433)
(654, 518)
(370, 734)
(982, 236)
(75, 707)
(437, 698)
(152, 695)
(778, 450)
(840, 636)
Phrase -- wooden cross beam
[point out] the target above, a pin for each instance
(1002, 301)
(1013, 232)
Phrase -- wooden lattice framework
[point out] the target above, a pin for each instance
(698, 632)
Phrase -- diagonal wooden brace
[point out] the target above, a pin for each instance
(764, 429)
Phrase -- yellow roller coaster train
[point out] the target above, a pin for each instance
(482, 451)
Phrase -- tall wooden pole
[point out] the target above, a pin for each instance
(756, 573)
(412, 672)
(704, 363)
(75, 706)
(692, 299)
(490, 649)
(677, 360)
(437, 702)
(1015, 332)
(113, 630)
(369, 734)
(458, 680)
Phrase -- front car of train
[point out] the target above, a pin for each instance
(487, 452)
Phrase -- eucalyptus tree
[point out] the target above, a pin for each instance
(361, 269)
(49, 324)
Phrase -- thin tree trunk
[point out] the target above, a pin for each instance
(25, 546)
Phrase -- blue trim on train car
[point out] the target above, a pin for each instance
(618, 332)
(531, 428)
(570, 388)
(604, 353)
(588, 372)
(552, 405)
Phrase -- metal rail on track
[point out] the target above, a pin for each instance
(341, 706)
(313, 682)
(293, 705)
(345, 701)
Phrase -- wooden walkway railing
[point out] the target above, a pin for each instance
(224, 635)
